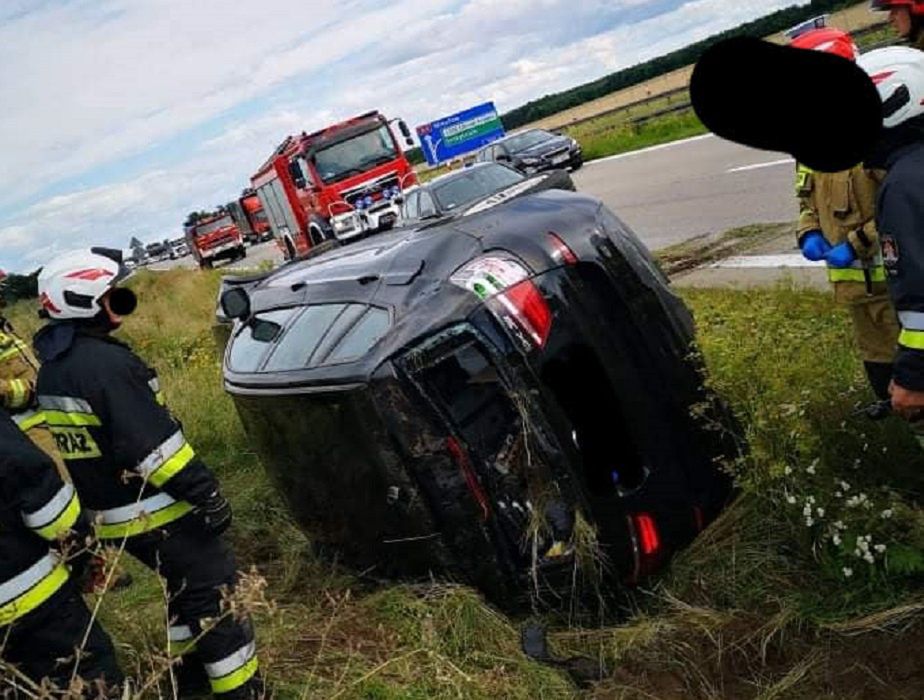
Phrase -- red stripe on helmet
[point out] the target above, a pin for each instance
(89, 275)
(879, 77)
(47, 304)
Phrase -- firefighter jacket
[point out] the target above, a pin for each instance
(18, 373)
(37, 511)
(900, 220)
(18, 370)
(128, 457)
(842, 206)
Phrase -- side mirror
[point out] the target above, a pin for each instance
(235, 303)
(402, 127)
(503, 157)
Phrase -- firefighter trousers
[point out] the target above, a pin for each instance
(43, 644)
(198, 567)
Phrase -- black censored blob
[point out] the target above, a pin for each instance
(122, 301)
(821, 109)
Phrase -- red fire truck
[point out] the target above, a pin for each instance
(340, 182)
(215, 237)
(250, 217)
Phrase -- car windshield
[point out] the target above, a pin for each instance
(355, 155)
(213, 226)
(473, 184)
(527, 139)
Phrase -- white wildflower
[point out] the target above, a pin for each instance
(836, 540)
(845, 486)
(820, 512)
(788, 470)
(848, 572)
(869, 558)
(791, 500)
(839, 524)
(886, 514)
(810, 469)
(880, 548)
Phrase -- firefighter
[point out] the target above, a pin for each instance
(18, 372)
(907, 18)
(43, 619)
(899, 76)
(134, 468)
(836, 224)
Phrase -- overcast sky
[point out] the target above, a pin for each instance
(120, 116)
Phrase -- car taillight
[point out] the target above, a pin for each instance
(561, 253)
(526, 305)
(647, 545)
(648, 539)
(460, 457)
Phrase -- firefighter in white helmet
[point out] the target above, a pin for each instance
(133, 467)
(898, 73)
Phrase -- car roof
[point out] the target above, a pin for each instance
(451, 175)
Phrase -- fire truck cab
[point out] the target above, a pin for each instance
(341, 183)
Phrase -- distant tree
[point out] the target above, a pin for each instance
(18, 287)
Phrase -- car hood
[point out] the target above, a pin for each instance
(544, 147)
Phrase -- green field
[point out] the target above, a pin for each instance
(761, 606)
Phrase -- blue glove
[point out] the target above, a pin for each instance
(814, 246)
(841, 255)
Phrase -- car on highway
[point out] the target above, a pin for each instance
(157, 251)
(507, 399)
(534, 150)
(473, 189)
(178, 248)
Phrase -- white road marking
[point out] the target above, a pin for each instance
(758, 166)
(768, 261)
(659, 147)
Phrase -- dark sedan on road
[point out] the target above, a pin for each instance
(475, 189)
(533, 151)
(503, 398)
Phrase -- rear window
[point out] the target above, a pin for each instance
(313, 336)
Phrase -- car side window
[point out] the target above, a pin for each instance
(427, 208)
(411, 205)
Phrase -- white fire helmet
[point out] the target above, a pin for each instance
(898, 73)
(71, 285)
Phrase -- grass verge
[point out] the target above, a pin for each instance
(760, 606)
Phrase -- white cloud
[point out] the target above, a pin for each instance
(98, 81)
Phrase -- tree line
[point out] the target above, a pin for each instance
(765, 26)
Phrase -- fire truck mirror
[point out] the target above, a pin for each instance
(235, 303)
(402, 127)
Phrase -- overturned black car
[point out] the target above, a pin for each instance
(506, 399)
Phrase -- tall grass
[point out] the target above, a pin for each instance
(759, 606)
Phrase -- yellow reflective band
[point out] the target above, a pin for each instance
(20, 390)
(15, 347)
(236, 679)
(180, 648)
(146, 523)
(63, 523)
(169, 469)
(852, 274)
(29, 420)
(79, 419)
(35, 596)
(911, 339)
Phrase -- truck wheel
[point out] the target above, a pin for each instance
(241, 253)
